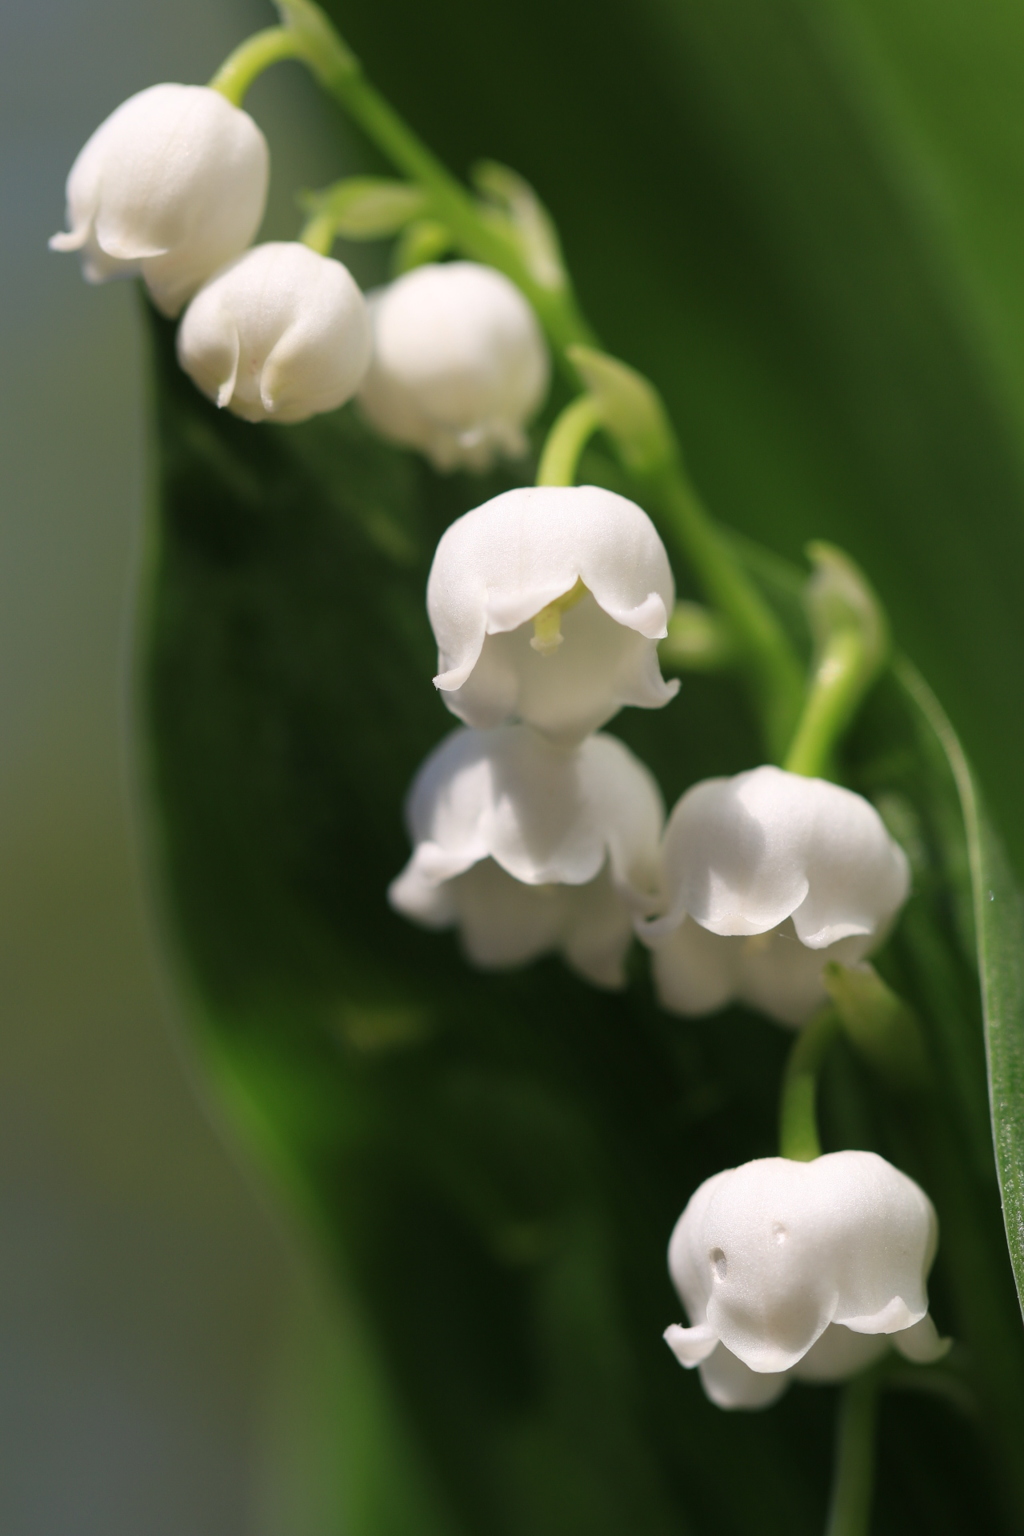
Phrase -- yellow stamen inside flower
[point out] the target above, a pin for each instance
(547, 625)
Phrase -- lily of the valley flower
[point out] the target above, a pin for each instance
(802, 1269)
(769, 876)
(547, 604)
(279, 335)
(171, 186)
(529, 848)
(459, 364)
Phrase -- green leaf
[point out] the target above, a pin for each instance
(999, 924)
(492, 1163)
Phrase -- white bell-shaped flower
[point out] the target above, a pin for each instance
(801, 1269)
(459, 364)
(279, 335)
(528, 848)
(770, 875)
(547, 604)
(171, 186)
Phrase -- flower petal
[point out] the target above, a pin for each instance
(921, 1343)
(691, 1345)
(731, 1384)
(499, 565)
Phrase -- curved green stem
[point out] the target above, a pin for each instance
(245, 65)
(854, 1475)
(834, 693)
(570, 432)
(318, 233)
(486, 240)
(488, 237)
(851, 636)
(798, 1125)
(770, 661)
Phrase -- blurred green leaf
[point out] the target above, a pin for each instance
(999, 926)
(494, 1163)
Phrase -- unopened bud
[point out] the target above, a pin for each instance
(280, 335)
(171, 186)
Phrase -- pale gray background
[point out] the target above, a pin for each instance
(149, 1302)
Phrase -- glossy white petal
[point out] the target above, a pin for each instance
(497, 567)
(171, 186)
(280, 334)
(527, 847)
(837, 1355)
(731, 1384)
(745, 853)
(767, 1256)
(769, 876)
(459, 364)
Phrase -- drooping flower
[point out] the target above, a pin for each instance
(171, 186)
(529, 848)
(279, 335)
(459, 364)
(547, 604)
(801, 1269)
(770, 875)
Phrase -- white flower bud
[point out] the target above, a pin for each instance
(804, 1269)
(459, 364)
(528, 848)
(769, 876)
(279, 335)
(547, 604)
(172, 185)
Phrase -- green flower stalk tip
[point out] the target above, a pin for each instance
(878, 1023)
(243, 67)
(570, 432)
(798, 1125)
(851, 638)
(699, 640)
(630, 410)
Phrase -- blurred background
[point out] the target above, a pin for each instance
(846, 355)
(152, 1311)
